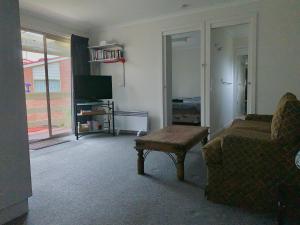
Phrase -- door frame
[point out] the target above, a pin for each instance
(252, 60)
(201, 28)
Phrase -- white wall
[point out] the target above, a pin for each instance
(240, 42)
(278, 52)
(15, 181)
(143, 90)
(221, 70)
(42, 24)
(278, 49)
(186, 68)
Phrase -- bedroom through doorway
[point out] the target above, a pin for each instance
(183, 78)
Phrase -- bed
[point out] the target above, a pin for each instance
(186, 111)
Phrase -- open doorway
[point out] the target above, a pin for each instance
(229, 75)
(240, 85)
(182, 101)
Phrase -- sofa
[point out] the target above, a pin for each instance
(248, 160)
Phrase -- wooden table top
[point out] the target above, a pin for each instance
(173, 137)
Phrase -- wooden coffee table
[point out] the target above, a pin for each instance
(174, 139)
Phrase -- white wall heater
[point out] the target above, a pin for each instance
(131, 121)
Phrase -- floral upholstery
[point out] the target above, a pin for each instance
(252, 125)
(214, 155)
(246, 163)
(287, 128)
(279, 113)
(257, 117)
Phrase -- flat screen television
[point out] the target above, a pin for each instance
(92, 87)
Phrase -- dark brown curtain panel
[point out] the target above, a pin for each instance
(80, 55)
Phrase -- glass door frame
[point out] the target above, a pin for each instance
(48, 100)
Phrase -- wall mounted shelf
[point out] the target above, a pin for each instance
(110, 53)
(114, 45)
(122, 60)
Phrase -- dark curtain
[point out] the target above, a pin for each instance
(80, 55)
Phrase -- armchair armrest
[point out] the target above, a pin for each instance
(212, 152)
(290, 173)
(258, 117)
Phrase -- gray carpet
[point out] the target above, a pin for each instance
(93, 181)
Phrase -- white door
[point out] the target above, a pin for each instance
(227, 92)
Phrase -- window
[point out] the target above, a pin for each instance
(39, 82)
(48, 110)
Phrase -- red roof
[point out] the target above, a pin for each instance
(28, 62)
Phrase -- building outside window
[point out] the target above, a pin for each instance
(39, 83)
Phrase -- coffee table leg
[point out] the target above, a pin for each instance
(180, 166)
(204, 141)
(140, 161)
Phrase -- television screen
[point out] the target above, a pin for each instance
(92, 87)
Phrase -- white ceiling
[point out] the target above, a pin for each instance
(103, 13)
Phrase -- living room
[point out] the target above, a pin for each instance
(94, 180)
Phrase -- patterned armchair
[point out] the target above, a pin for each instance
(247, 161)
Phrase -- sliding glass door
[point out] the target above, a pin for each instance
(47, 75)
(59, 76)
(35, 83)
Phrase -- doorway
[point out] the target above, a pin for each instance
(182, 78)
(229, 75)
(47, 76)
(240, 92)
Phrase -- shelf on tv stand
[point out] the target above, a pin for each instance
(93, 113)
(83, 103)
(109, 112)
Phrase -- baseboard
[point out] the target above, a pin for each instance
(132, 132)
(13, 211)
(128, 132)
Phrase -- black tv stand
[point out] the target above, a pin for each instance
(95, 108)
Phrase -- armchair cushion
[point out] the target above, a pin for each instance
(285, 126)
(278, 116)
(286, 97)
(252, 125)
(259, 117)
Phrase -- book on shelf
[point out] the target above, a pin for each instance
(92, 112)
(105, 54)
